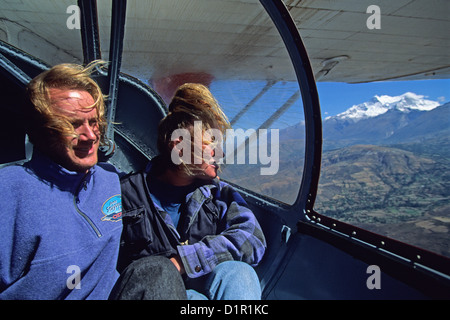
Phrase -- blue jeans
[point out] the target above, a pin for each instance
(229, 280)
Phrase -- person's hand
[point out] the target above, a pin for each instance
(178, 264)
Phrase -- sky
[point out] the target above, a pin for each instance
(337, 97)
(334, 97)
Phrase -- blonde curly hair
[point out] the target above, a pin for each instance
(44, 126)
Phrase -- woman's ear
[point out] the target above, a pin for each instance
(180, 149)
(175, 147)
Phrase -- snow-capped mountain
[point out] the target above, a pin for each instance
(382, 120)
(381, 104)
(386, 120)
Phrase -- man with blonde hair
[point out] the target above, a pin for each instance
(62, 210)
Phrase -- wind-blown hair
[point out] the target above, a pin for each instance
(192, 102)
(197, 98)
(44, 126)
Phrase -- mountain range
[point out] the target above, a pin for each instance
(379, 105)
(381, 120)
(385, 167)
(387, 120)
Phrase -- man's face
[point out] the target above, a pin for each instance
(79, 153)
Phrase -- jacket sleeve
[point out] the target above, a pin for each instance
(239, 237)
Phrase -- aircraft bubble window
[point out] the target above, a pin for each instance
(241, 57)
(384, 94)
(43, 29)
(385, 162)
(276, 168)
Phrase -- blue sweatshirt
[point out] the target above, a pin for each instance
(60, 231)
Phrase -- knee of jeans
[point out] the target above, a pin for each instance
(237, 271)
(234, 280)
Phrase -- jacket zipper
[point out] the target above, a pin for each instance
(174, 232)
(85, 217)
(88, 220)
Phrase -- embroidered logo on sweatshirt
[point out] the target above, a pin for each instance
(112, 209)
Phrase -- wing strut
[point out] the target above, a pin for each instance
(266, 123)
(266, 88)
(280, 111)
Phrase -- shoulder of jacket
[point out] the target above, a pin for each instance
(132, 182)
(107, 167)
(224, 186)
(222, 190)
(12, 169)
(131, 176)
(14, 178)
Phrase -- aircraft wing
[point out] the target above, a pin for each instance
(236, 38)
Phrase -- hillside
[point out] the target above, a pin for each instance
(390, 191)
(284, 185)
(364, 178)
(386, 169)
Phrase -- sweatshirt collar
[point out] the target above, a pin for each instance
(54, 174)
